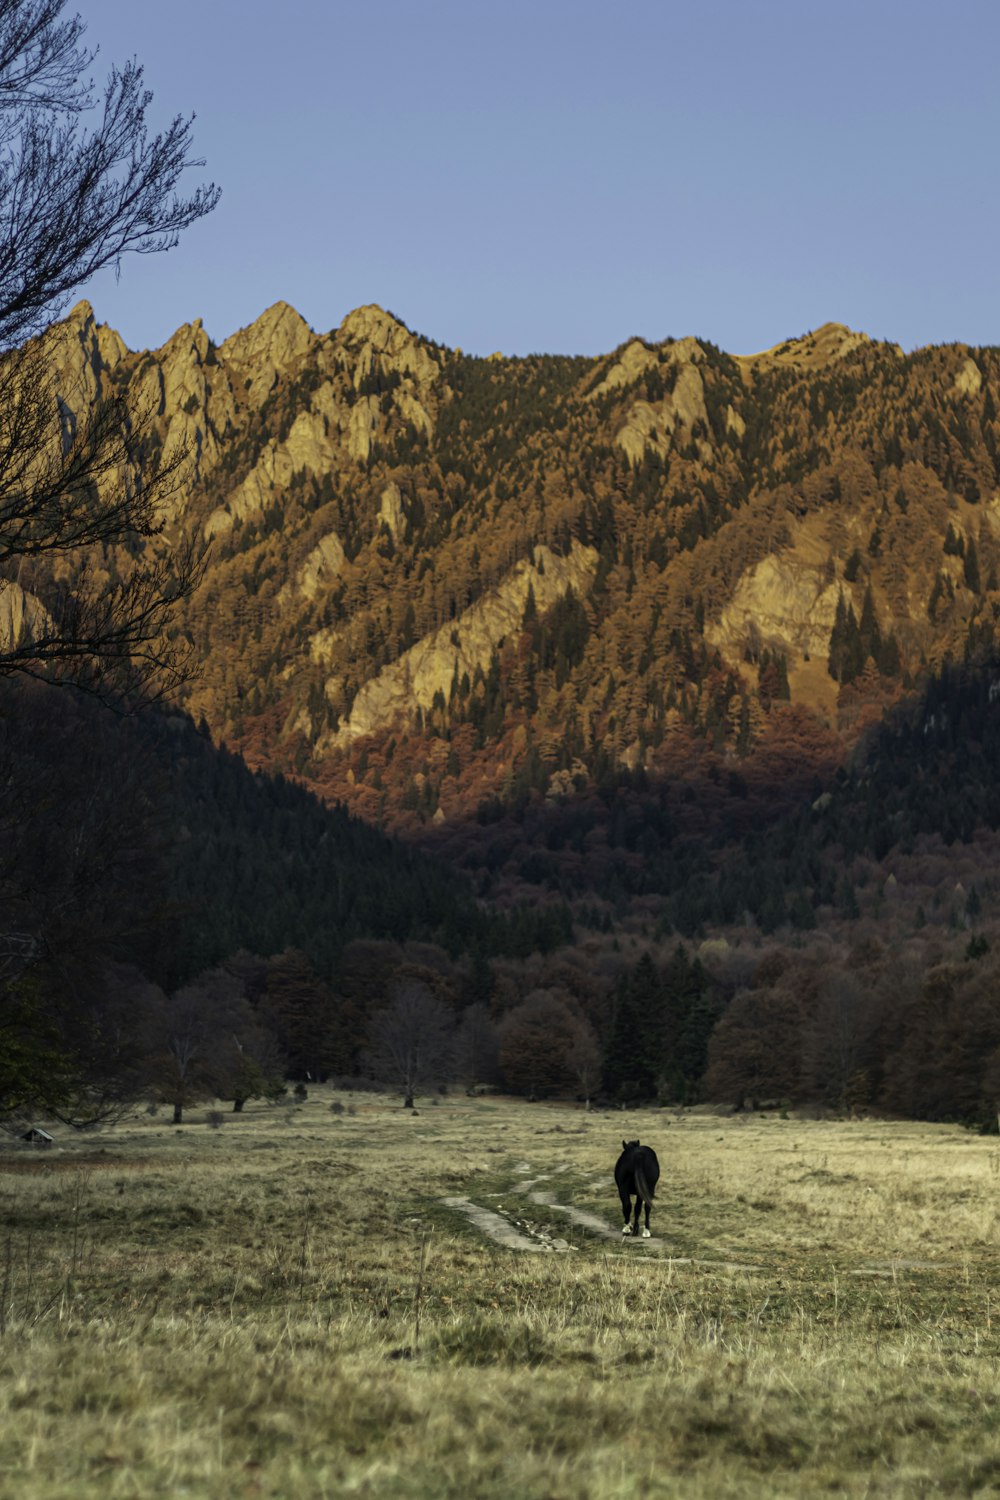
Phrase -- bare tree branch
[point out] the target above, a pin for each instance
(88, 576)
(73, 200)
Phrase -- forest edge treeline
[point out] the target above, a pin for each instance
(221, 931)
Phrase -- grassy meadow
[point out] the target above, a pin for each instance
(286, 1305)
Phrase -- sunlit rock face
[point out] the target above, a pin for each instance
(461, 647)
(780, 603)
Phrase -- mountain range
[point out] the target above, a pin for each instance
(527, 610)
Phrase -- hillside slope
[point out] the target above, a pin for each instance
(436, 581)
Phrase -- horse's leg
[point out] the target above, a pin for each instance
(626, 1208)
(635, 1220)
(646, 1232)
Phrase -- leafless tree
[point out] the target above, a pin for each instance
(208, 1041)
(82, 183)
(186, 1046)
(583, 1057)
(411, 1041)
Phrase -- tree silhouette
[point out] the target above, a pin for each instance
(536, 1042)
(83, 182)
(411, 1041)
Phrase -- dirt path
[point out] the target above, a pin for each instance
(521, 1234)
(500, 1229)
(578, 1216)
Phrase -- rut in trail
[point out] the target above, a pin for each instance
(500, 1229)
(520, 1234)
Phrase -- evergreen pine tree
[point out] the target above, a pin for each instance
(835, 661)
(631, 1064)
(971, 568)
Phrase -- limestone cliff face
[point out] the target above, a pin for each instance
(22, 617)
(649, 426)
(343, 418)
(199, 411)
(969, 380)
(635, 359)
(321, 568)
(199, 403)
(362, 424)
(652, 426)
(464, 644)
(83, 353)
(81, 356)
(308, 447)
(781, 603)
(391, 509)
(179, 389)
(371, 343)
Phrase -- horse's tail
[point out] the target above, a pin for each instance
(645, 1191)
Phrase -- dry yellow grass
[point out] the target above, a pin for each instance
(232, 1311)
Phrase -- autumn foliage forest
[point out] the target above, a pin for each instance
(619, 729)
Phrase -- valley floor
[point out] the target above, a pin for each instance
(334, 1297)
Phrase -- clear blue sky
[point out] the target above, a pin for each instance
(560, 174)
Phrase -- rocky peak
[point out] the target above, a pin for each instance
(824, 346)
(637, 357)
(372, 337)
(190, 342)
(685, 351)
(80, 316)
(182, 359)
(371, 324)
(81, 350)
(633, 361)
(100, 345)
(267, 347)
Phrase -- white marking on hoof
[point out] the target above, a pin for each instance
(627, 1229)
(646, 1234)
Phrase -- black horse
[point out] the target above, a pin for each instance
(637, 1172)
